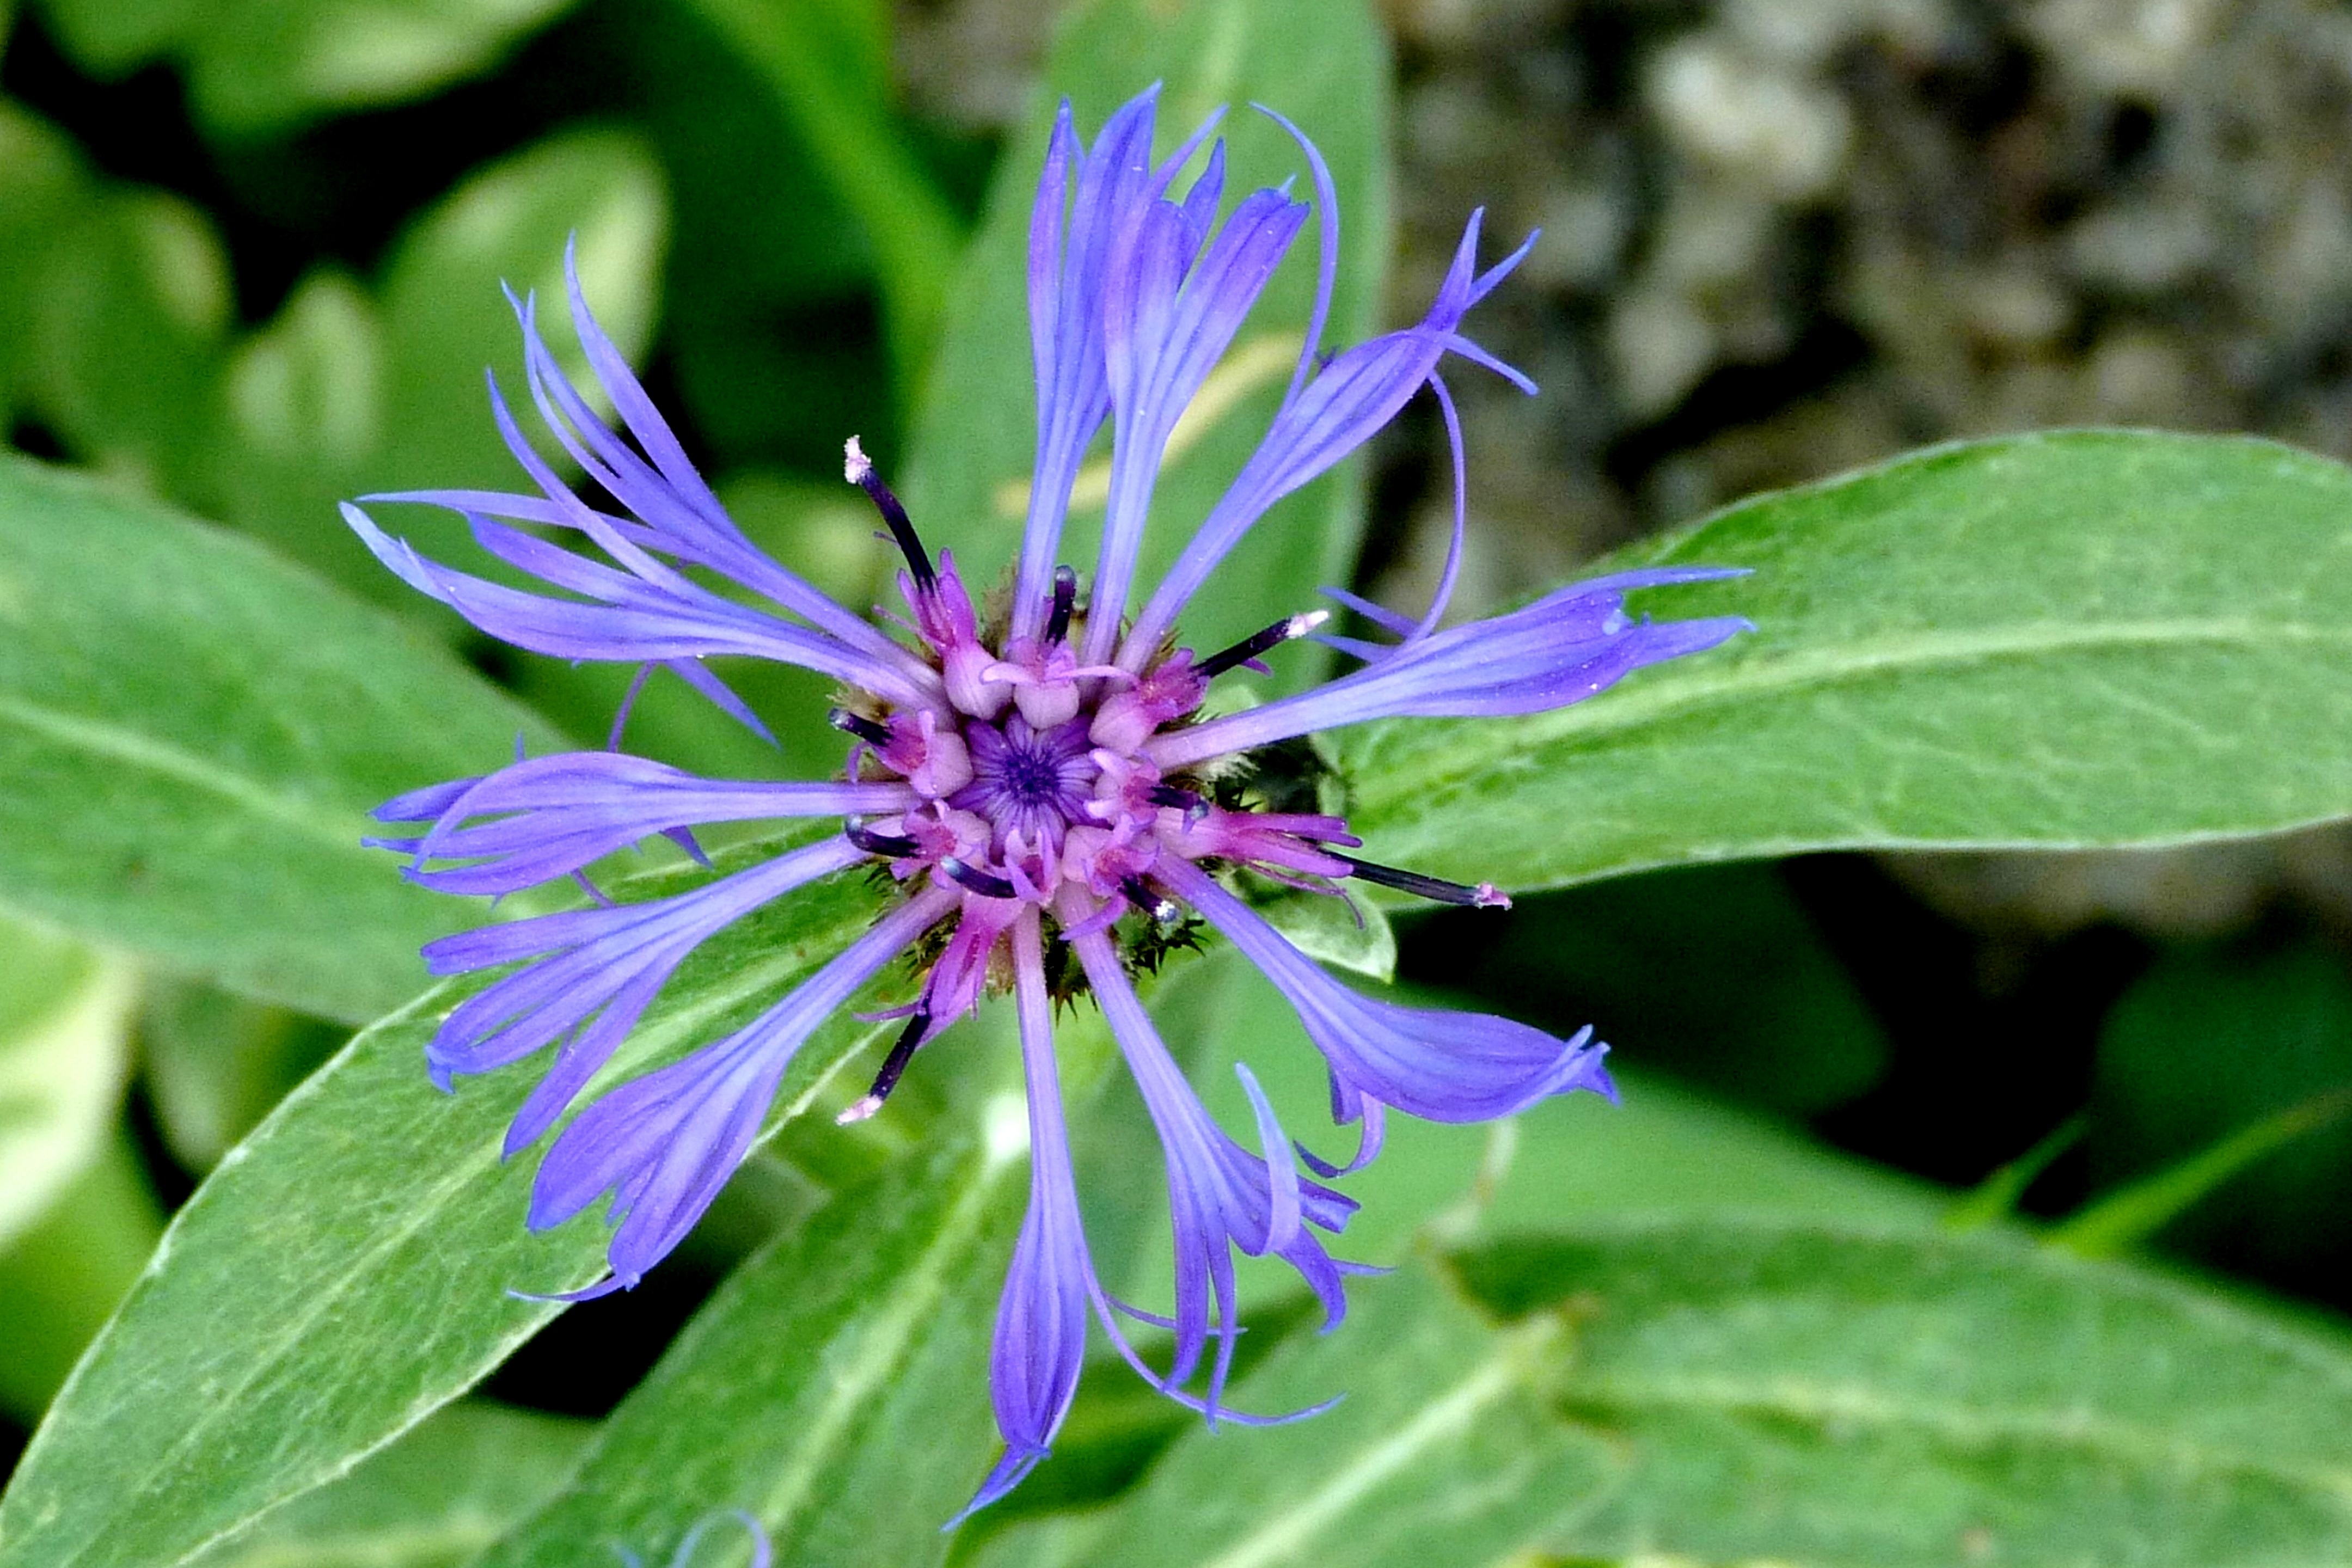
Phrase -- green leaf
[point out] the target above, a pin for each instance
(348, 392)
(1443, 1434)
(1354, 936)
(215, 1064)
(65, 1015)
(828, 64)
(433, 1500)
(2211, 1045)
(1715, 973)
(2132, 1215)
(1996, 1197)
(130, 320)
(191, 733)
(304, 404)
(1663, 1153)
(260, 66)
(1323, 64)
(1730, 1393)
(344, 1271)
(61, 1277)
(41, 186)
(836, 1388)
(2060, 641)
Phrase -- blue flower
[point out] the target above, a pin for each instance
(1039, 785)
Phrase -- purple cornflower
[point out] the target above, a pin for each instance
(1043, 784)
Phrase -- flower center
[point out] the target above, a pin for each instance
(1026, 780)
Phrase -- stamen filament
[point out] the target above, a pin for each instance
(894, 1066)
(858, 469)
(1485, 896)
(1250, 646)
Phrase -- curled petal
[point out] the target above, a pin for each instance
(1220, 1195)
(1339, 410)
(1440, 1066)
(1561, 649)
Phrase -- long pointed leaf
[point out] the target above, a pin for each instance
(2087, 638)
(344, 1272)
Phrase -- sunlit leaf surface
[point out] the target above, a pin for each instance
(2049, 641)
(191, 736)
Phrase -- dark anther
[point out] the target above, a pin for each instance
(894, 1066)
(859, 470)
(1065, 599)
(1163, 910)
(971, 878)
(1485, 896)
(1250, 646)
(888, 845)
(1183, 800)
(873, 731)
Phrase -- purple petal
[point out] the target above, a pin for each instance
(1323, 421)
(597, 968)
(1073, 397)
(1440, 1066)
(423, 804)
(1166, 327)
(1040, 1343)
(664, 1144)
(1220, 1195)
(631, 616)
(552, 815)
(1069, 272)
(1558, 650)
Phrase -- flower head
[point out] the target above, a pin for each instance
(1042, 788)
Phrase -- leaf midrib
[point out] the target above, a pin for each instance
(1502, 1371)
(119, 743)
(1696, 686)
(1819, 1402)
(883, 1345)
(456, 1537)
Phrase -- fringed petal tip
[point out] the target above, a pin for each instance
(1599, 1082)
